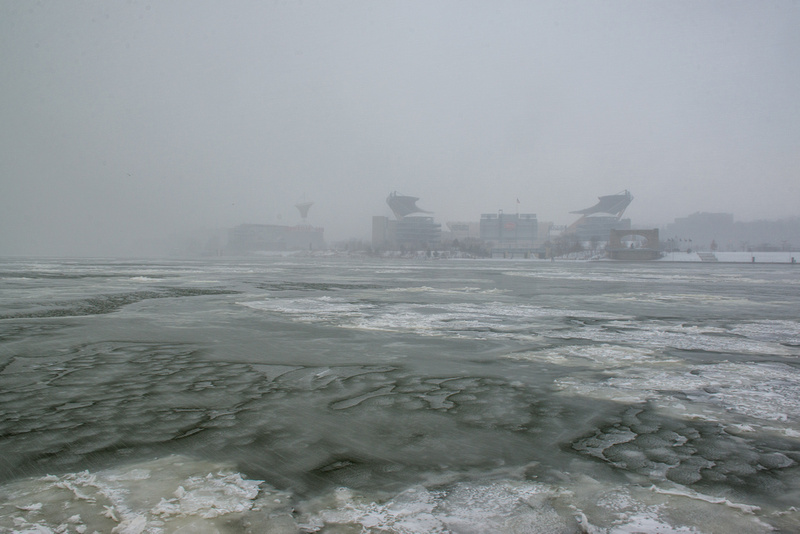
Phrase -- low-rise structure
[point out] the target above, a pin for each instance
(596, 222)
(510, 234)
(247, 238)
(409, 232)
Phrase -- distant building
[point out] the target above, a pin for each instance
(597, 221)
(598, 227)
(248, 238)
(555, 231)
(403, 205)
(410, 233)
(407, 232)
(384, 232)
(699, 230)
(647, 246)
(546, 230)
(463, 230)
(510, 234)
(718, 231)
(418, 232)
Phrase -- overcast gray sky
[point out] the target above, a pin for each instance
(123, 121)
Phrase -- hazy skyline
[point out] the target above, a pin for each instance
(125, 123)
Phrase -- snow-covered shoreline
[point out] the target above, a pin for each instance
(733, 257)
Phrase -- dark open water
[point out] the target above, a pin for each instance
(341, 395)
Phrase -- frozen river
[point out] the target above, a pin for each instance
(351, 395)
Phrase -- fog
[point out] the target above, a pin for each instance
(126, 123)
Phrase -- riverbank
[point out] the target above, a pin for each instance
(732, 257)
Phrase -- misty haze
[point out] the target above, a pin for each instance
(400, 267)
(129, 127)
